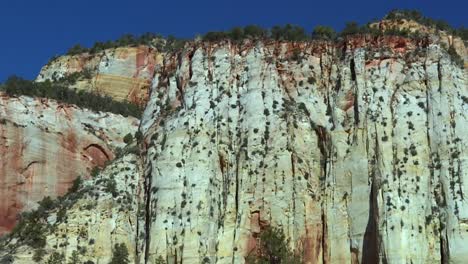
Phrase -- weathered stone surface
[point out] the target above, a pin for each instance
(358, 159)
(123, 73)
(97, 220)
(46, 145)
(442, 37)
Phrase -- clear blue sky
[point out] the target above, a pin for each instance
(32, 30)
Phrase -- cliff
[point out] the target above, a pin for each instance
(359, 156)
(355, 150)
(123, 73)
(97, 218)
(45, 145)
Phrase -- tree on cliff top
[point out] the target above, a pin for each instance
(77, 49)
(323, 32)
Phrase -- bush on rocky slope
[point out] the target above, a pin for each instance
(58, 91)
(120, 254)
(273, 248)
(169, 43)
(438, 24)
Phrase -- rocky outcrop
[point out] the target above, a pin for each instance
(444, 38)
(102, 213)
(123, 73)
(357, 152)
(45, 145)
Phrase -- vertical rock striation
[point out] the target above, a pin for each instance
(356, 152)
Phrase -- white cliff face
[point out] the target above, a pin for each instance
(45, 145)
(97, 217)
(355, 150)
(358, 159)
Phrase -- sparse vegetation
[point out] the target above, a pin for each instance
(75, 257)
(56, 258)
(128, 139)
(16, 86)
(455, 57)
(120, 254)
(95, 171)
(111, 187)
(38, 255)
(170, 43)
(324, 32)
(399, 14)
(274, 249)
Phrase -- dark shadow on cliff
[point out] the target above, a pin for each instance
(370, 253)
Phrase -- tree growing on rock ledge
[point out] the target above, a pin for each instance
(273, 249)
(120, 254)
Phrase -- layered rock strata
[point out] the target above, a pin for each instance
(123, 73)
(45, 145)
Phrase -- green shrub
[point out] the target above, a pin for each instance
(111, 187)
(61, 214)
(288, 32)
(351, 28)
(46, 204)
(398, 14)
(119, 254)
(95, 171)
(215, 36)
(56, 258)
(160, 260)
(324, 32)
(138, 136)
(455, 57)
(128, 139)
(149, 39)
(254, 31)
(274, 249)
(76, 185)
(77, 49)
(237, 33)
(75, 257)
(38, 254)
(18, 86)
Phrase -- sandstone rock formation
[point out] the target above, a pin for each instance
(46, 145)
(359, 157)
(99, 219)
(123, 73)
(355, 150)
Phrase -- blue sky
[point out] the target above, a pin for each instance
(33, 31)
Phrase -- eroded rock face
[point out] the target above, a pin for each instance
(46, 145)
(359, 157)
(123, 73)
(98, 217)
(356, 151)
